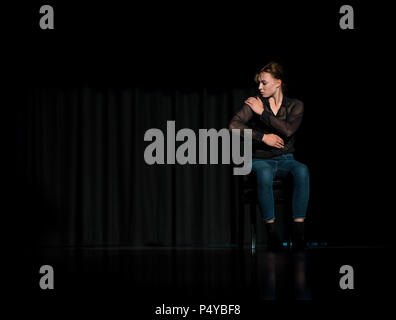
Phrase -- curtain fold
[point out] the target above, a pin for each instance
(85, 179)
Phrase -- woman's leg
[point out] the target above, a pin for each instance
(265, 174)
(300, 174)
(300, 199)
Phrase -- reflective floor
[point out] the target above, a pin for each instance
(145, 278)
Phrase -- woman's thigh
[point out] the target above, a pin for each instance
(293, 167)
(262, 164)
(264, 169)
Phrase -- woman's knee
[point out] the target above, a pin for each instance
(300, 171)
(265, 175)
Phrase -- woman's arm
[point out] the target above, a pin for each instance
(240, 120)
(286, 127)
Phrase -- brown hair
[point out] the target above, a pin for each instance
(275, 69)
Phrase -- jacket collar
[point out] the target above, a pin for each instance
(285, 101)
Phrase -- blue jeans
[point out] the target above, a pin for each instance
(280, 166)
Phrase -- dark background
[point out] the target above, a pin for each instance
(84, 94)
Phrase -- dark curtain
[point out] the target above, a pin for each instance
(85, 180)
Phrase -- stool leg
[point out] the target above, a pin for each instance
(253, 226)
(241, 225)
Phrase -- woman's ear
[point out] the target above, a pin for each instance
(279, 83)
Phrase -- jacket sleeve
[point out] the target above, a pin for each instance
(288, 127)
(240, 120)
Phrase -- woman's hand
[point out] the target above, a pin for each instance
(255, 104)
(273, 140)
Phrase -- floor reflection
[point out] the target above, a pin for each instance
(203, 273)
(301, 276)
(282, 275)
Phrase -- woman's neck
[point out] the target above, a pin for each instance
(277, 97)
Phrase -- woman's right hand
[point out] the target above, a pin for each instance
(273, 140)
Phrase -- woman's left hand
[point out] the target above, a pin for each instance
(255, 104)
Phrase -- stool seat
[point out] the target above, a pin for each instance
(278, 182)
(249, 194)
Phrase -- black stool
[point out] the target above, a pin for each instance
(282, 197)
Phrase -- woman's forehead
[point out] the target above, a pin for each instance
(265, 76)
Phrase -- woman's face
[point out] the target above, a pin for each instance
(268, 85)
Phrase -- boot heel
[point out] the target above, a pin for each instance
(274, 242)
(299, 236)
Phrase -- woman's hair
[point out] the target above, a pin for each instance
(275, 69)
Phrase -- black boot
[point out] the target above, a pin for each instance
(298, 235)
(273, 238)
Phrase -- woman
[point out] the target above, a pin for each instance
(274, 119)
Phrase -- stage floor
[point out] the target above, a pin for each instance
(144, 279)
